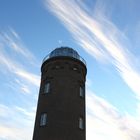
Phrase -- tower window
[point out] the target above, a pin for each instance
(57, 66)
(75, 69)
(47, 88)
(43, 119)
(81, 123)
(82, 91)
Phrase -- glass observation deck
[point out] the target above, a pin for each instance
(64, 51)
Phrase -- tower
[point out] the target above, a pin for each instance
(61, 103)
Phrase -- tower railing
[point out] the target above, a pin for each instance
(68, 52)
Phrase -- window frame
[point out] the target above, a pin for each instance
(47, 87)
(43, 119)
(81, 123)
(82, 91)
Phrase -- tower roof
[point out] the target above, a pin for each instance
(64, 51)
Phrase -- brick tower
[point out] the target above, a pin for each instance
(61, 104)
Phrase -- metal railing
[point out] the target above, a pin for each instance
(64, 51)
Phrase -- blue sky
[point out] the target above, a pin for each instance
(104, 32)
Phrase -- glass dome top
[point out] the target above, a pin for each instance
(64, 51)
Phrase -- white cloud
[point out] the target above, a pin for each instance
(15, 66)
(99, 37)
(11, 40)
(34, 79)
(17, 118)
(105, 122)
(16, 123)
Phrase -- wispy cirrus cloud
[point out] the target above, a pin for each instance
(105, 122)
(19, 125)
(14, 44)
(99, 37)
(11, 48)
(16, 65)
